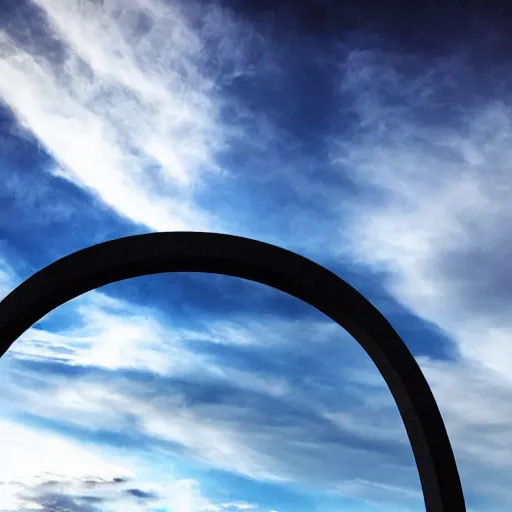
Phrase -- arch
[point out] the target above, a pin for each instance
(154, 253)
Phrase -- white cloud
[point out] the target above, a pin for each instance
(120, 96)
(434, 218)
(238, 505)
(475, 402)
(8, 279)
(373, 492)
(272, 331)
(370, 422)
(116, 334)
(29, 454)
(39, 469)
(239, 438)
(108, 333)
(30, 459)
(439, 225)
(103, 332)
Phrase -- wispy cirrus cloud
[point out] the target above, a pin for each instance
(283, 432)
(438, 222)
(114, 334)
(120, 368)
(123, 99)
(249, 434)
(435, 171)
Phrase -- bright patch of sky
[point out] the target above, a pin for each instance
(376, 145)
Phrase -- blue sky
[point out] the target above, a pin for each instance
(373, 140)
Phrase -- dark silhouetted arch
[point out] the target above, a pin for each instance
(154, 253)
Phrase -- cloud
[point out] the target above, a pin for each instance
(143, 495)
(33, 465)
(120, 95)
(432, 165)
(8, 278)
(474, 400)
(437, 222)
(130, 104)
(47, 472)
(292, 440)
(121, 368)
(114, 334)
(108, 333)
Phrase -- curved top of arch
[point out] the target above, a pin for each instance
(249, 259)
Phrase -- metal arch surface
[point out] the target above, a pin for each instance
(249, 259)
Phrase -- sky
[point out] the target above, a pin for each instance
(372, 137)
